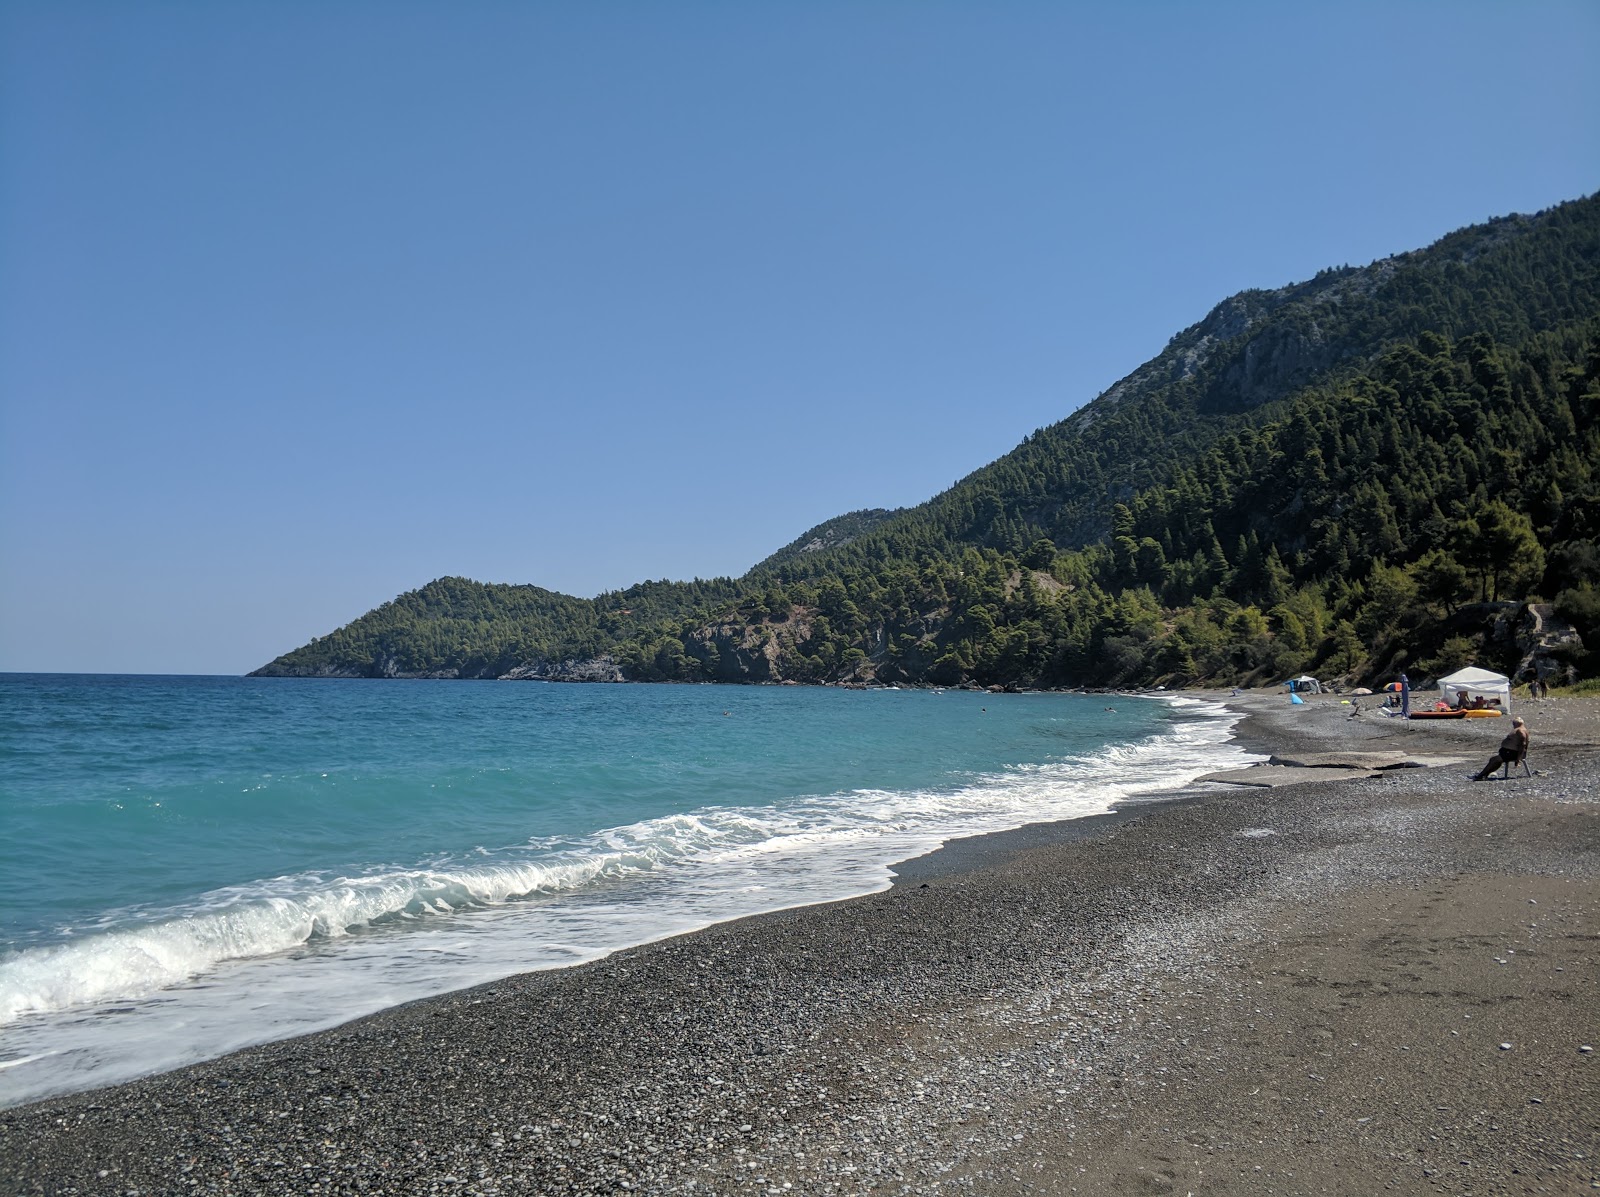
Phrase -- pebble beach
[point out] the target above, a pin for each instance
(1383, 981)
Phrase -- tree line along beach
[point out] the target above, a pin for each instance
(1384, 467)
(1378, 983)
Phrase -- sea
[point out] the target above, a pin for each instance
(196, 864)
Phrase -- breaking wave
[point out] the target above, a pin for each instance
(831, 838)
(292, 954)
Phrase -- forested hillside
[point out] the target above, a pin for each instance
(1361, 473)
(455, 627)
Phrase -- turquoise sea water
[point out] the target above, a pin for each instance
(196, 864)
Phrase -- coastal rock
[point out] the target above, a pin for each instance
(388, 666)
(593, 669)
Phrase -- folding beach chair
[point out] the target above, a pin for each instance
(1505, 771)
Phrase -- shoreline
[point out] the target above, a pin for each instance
(1015, 1008)
(57, 1065)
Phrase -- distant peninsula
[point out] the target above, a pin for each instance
(1388, 467)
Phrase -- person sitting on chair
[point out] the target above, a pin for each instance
(1513, 750)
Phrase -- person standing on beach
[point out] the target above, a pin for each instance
(1513, 750)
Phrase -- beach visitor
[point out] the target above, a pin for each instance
(1513, 750)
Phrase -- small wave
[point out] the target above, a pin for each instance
(137, 960)
(855, 834)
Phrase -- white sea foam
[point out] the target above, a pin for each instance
(293, 954)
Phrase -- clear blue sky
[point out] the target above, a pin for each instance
(303, 305)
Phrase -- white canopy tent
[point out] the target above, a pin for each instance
(1304, 684)
(1476, 683)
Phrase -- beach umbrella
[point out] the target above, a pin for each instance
(1360, 692)
(1393, 688)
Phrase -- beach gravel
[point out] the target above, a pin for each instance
(1296, 989)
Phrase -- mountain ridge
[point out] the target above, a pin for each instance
(1076, 497)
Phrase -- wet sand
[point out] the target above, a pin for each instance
(1294, 990)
